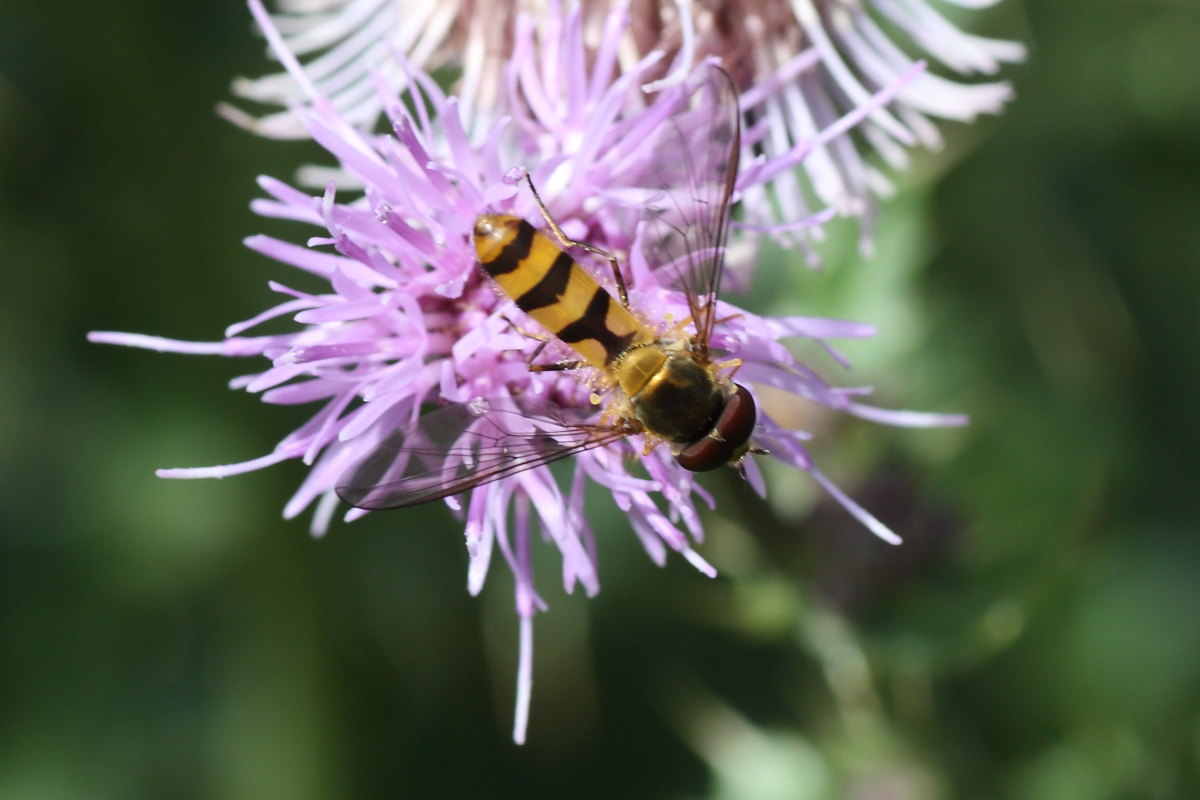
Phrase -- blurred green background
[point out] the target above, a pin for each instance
(1038, 635)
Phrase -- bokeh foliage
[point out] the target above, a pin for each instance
(1038, 635)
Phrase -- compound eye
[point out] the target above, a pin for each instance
(728, 437)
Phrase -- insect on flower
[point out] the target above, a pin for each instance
(665, 386)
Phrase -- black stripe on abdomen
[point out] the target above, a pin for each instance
(591, 325)
(550, 288)
(513, 253)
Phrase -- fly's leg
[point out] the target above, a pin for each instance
(733, 365)
(543, 341)
(740, 463)
(558, 366)
(565, 242)
(561, 366)
(677, 330)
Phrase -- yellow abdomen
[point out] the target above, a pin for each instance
(548, 285)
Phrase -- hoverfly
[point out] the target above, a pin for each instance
(663, 386)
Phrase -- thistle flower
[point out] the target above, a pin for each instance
(815, 60)
(410, 321)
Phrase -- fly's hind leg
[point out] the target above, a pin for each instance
(542, 342)
(558, 366)
(565, 242)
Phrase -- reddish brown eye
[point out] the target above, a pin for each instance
(734, 426)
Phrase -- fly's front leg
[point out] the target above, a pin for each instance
(733, 365)
(566, 243)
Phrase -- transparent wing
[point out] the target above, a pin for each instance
(465, 445)
(687, 218)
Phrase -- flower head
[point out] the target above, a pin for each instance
(808, 61)
(410, 321)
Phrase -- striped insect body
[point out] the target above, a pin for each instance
(555, 290)
(657, 381)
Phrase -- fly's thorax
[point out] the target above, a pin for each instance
(674, 396)
(636, 367)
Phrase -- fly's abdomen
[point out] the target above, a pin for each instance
(548, 285)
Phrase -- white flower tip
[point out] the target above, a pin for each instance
(282, 125)
(702, 566)
(862, 515)
(887, 535)
(849, 205)
(524, 678)
(238, 117)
